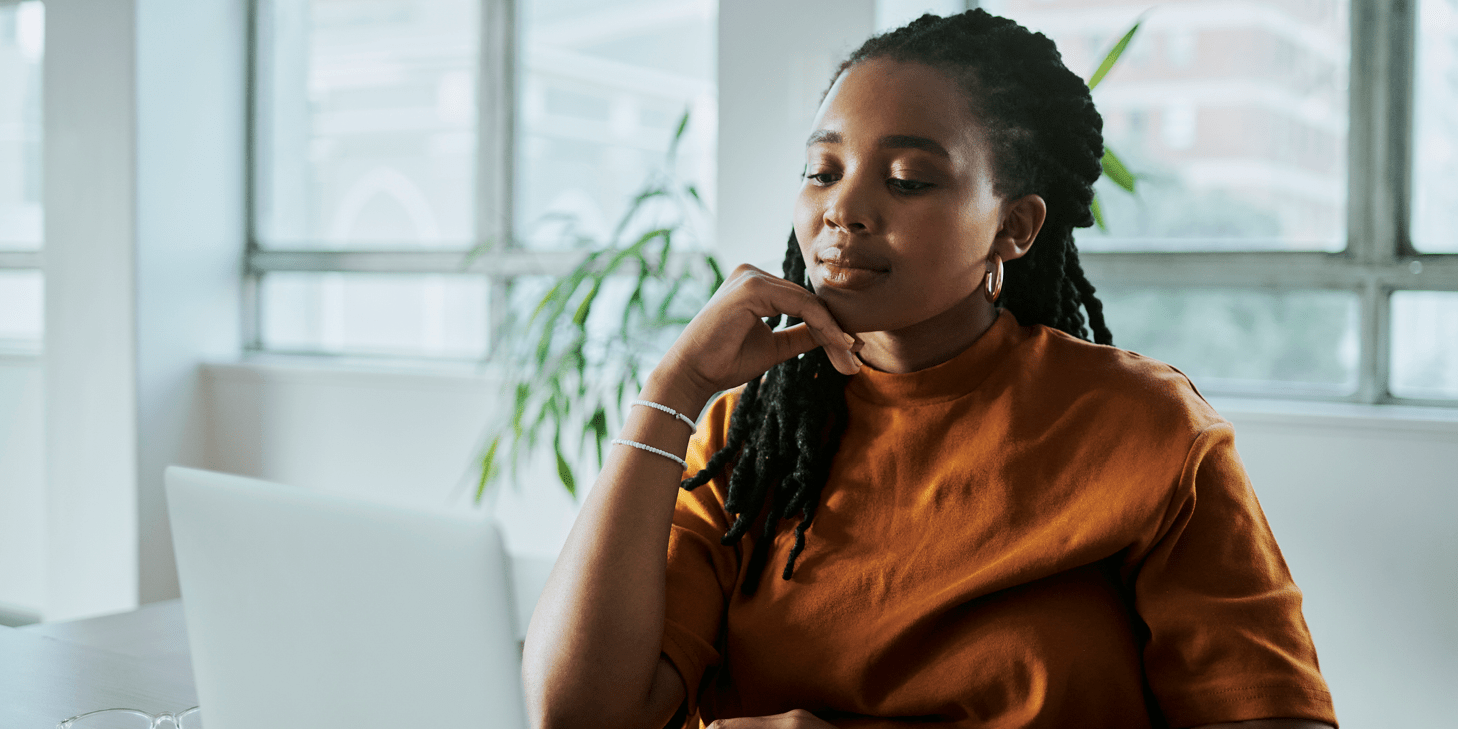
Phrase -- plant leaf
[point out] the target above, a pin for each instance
(668, 298)
(635, 300)
(667, 237)
(564, 471)
(1113, 55)
(599, 425)
(1098, 213)
(561, 292)
(584, 308)
(678, 135)
(488, 467)
(718, 273)
(633, 208)
(636, 250)
(1115, 170)
(476, 252)
(523, 393)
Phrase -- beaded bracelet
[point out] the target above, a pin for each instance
(686, 419)
(645, 447)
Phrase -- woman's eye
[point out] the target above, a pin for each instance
(901, 185)
(823, 178)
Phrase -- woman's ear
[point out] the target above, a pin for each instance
(1021, 220)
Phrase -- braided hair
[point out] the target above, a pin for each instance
(1047, 139)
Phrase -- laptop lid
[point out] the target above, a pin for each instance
(308, 609)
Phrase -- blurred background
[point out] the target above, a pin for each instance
(289, 238)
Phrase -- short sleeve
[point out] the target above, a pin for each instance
(701, 571)
(1227, 640)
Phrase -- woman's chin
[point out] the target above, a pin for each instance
(855, 319)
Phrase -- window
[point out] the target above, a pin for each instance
(1293, 234)
(22, 45)
(391, 137)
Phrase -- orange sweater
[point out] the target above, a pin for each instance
(1040, 532)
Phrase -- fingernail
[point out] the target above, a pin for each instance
(849, 340)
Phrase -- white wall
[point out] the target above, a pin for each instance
(410, 437)
(90, 350)
(771, 76)
(143, 158)
(1362, 501)
(22, 496)
(190, 233)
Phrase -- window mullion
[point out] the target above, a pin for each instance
(21, 259)
(1380, 163)
(495, 144)
(1381, 129)
(250, 307)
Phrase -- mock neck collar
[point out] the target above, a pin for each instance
(946, 381)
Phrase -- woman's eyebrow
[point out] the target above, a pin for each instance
(907, 141)
(890, 141)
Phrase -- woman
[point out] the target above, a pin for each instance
(1012, 526)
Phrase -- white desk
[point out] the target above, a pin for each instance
(136, 660)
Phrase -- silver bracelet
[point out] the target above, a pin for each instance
(651, 449)
(686, 419)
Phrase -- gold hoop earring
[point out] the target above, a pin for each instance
(992, 282)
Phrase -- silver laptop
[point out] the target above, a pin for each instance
(312, 610)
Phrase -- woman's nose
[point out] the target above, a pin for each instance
(852, 206)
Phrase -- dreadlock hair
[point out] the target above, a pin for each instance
(1047, 139)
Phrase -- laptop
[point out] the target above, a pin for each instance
(312, 610)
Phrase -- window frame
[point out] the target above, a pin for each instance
(1378, 258)
(496, 71)
(13, 259)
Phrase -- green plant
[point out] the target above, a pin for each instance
(1113, 168)
(581, 352)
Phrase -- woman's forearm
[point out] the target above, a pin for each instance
(592, 651)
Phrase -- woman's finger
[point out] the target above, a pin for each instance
(799, 339)
(793, 341)
(773, 296)
(770, 296)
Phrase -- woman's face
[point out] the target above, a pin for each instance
(897, 216)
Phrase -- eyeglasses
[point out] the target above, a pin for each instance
(134, 719)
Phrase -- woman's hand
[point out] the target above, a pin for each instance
(728, 343)
(796, 719)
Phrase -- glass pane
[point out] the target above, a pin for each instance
(603, 86)
(1435, 129)
(1425, 344)
(22, 44)
(366, 123)
(22, 310)
(1232, 115)
(1243, 340)
(375, 313)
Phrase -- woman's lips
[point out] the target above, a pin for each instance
(841, 276)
